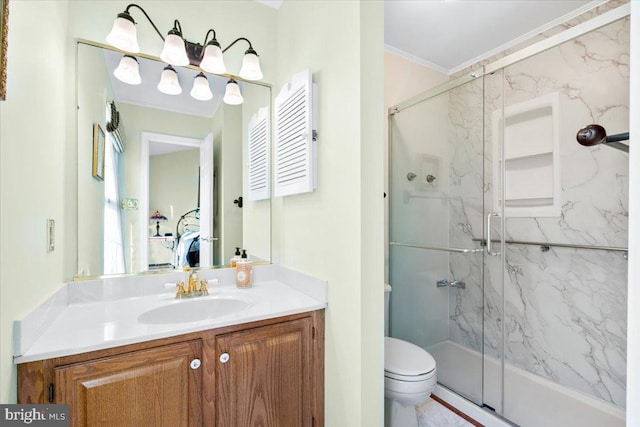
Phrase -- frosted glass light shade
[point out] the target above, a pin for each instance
(201, 90)
(128, 70)
(251, 66)
(123, 34)
(212, 61)
(174, 52)
(232, 95)
(169, 83)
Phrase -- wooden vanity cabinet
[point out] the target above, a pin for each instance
(266, 373)
(263, 376)
(156, 387)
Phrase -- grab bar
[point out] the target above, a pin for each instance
(483, 242)
(436, 248)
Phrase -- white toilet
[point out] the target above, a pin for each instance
(409, 376)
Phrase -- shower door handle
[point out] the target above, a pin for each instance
(489, 217)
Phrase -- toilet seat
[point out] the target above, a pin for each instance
(409, 378)
(405, 361)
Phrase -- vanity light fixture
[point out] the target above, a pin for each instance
(180, 52)
(250, 65)
(174, 51)
(201, 90)
(212, 60)
(169, 83)
(128, 70)
(232, 95)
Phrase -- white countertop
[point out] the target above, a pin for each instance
(96, 325)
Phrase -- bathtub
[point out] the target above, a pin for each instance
(530, 401)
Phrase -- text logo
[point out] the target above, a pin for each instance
(34, 415)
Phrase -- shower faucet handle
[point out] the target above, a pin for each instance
(453, 283)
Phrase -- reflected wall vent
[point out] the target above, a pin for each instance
(295, 142)
(258, 151)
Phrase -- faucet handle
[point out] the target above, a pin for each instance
(181, 290)
(203, 287)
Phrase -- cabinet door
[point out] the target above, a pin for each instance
(266, 379)
(155, 387)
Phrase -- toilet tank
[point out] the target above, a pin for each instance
(387, 294)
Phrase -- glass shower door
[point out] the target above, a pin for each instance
(560, 308)
(436, 229)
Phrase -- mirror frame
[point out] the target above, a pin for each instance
(269, 86)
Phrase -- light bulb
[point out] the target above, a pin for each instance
(174, 51)
(201, 90)
(212, 60)
(251, 66)
(169, 83)
(232, 95)
(128, 70)
(123, 34)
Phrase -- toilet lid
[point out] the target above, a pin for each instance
(402, 357)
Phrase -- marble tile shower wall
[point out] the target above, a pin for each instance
(565, 314)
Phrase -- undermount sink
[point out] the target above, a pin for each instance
(193, 310)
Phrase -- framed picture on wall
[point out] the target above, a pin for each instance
(4, 20)
(98, 152)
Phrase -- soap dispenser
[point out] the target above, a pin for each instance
(235, 258)
(243, 271)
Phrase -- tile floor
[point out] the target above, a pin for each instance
(433, 414)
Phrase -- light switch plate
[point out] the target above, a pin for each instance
(51, 235)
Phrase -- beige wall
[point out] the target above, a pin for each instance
(336, 232)
(36, 167)
(173, 186)
(404, 78)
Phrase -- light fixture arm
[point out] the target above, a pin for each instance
(236, 41)
(206, 37)
(177, 26)
(147, 16)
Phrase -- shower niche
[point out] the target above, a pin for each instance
(528, 132)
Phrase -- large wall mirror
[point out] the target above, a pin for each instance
(162, 179)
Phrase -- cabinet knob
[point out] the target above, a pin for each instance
(195, 363)
(224, 357)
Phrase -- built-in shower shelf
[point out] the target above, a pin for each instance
(527, 156)
(541, 201)
(531, 157)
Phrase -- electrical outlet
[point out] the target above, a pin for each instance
(129, 204)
